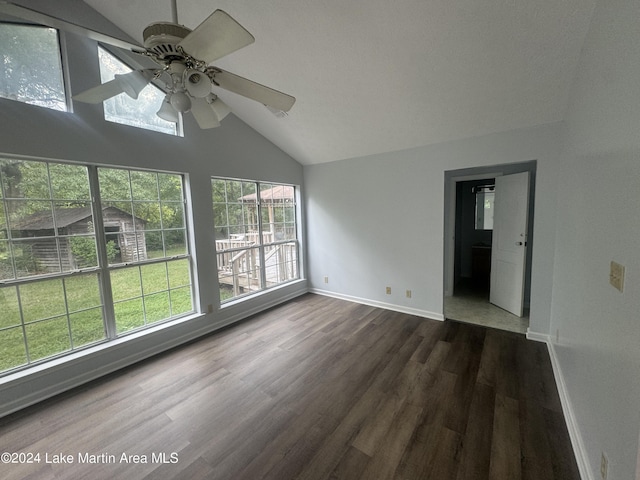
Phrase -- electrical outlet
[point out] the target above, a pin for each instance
(388, 290)
(210, 308)
(616, 276)
(408, 293)
(604, 466)
(326, 279)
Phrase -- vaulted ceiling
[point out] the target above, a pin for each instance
(377, 76)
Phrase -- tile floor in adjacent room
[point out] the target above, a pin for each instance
(471, 305)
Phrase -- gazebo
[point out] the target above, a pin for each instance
(270, 198)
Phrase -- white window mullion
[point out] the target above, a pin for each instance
(103, 261)
(261, 255)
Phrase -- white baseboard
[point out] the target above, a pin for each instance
(375, 303)
(572, 425)
(538, 337)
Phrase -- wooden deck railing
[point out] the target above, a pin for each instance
(239, 266)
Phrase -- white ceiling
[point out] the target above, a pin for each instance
(377, 76)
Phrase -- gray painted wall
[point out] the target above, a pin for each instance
(378, 221)
(598, 221)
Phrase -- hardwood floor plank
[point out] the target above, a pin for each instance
(505, 444)
(315, 389)
(374, 432)
(561, 453)
(475, 456)
(446, 460)
(352, 461)
(330, 460)
(386, 458)
(536, 453)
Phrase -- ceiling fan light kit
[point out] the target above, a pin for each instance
(167, 112)
(184, 56)
(180, 101)
(218, 106)
(197, 83)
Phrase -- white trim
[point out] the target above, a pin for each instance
(538, 337)
(579, 450)
(375, 303)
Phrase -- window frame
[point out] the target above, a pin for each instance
(102, 272)
(133, 63)
(62, 62)
(262, 245)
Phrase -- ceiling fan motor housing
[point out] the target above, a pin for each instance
(162, 39)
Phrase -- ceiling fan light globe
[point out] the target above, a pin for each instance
(197, 83)
(180, 101)
(167, 112)
(221, 108)
(132, 83)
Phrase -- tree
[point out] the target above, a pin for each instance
(31, 78)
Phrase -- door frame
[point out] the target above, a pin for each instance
(450, 224)
(451, 178)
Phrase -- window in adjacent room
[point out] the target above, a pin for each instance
(31, 66)
(140, 112)
(78, 268)
(256, 235)
(485, 197)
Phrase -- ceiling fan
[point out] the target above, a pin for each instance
(184, 57)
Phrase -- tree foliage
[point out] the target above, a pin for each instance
(31, 64)
(40, 188)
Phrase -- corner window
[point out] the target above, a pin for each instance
(140, 112)
(256, 235)
(31, 66)
(75, 270)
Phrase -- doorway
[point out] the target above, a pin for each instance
(469, 245)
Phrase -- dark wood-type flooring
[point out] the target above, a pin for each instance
(317, 388)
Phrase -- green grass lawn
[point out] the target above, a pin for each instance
(65, 313)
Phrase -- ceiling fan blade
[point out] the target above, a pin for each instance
(131, 83)
(34, 16)
(204, 114)
(100, 93)
(216, 37)
(250, 89)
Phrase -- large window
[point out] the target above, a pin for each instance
(144, 225)
(87, 254)
(256, 235)
(31, 66)
(140, 112)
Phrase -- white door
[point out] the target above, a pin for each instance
(509, 245)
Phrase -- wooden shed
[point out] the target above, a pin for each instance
(50, 251)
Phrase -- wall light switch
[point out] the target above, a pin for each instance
(616, 276)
